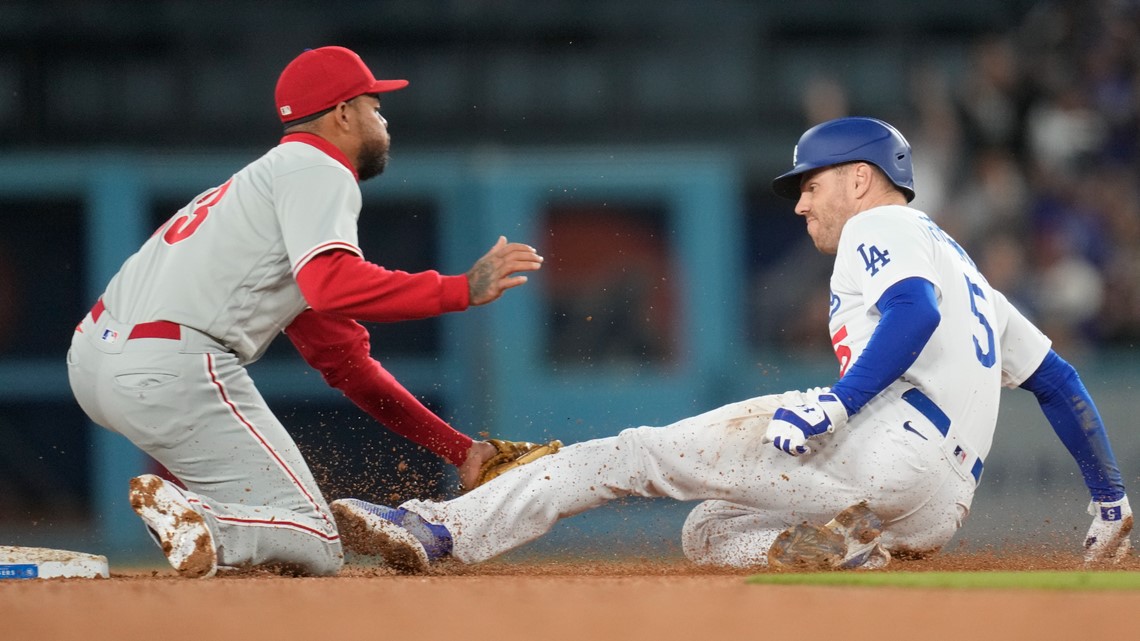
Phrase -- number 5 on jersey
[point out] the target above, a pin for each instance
(988, 356)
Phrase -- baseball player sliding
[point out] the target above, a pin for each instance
(884, 461)
(161, 356)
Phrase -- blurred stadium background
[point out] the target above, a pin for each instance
(633, 143)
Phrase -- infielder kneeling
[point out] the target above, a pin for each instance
(161, 358)
(884, 461)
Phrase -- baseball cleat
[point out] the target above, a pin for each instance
(405, 541)
(176, 527)
(849, 541)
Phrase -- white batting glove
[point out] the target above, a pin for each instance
(792, 426)
(1108, 538)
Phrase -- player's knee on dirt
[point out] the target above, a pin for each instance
(307, 556)
(695, 536)
(721, 533)
(327, 563)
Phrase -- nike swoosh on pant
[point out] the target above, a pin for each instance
(907, 427)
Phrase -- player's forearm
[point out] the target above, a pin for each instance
(339, 349)
(342, 283)
(374, 390)
(909, 317)
(1074, 417)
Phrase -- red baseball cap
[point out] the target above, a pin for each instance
(320, 78)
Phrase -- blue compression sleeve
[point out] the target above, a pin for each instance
(1077, 422)
(910, 315)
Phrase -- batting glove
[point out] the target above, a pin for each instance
(792, 426)
(1108, 539)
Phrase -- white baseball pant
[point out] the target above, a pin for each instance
(751, 490)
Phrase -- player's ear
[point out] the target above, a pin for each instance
(340, 113)
(862, 176)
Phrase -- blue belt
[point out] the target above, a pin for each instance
(938, 419)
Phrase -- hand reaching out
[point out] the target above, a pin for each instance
(496, 271)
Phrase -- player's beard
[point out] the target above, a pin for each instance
(372, 159)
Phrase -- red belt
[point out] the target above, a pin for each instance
(155, 329)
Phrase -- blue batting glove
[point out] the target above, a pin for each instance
(791, 427)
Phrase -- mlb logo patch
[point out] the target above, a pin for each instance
(109, 336)
(959, 454)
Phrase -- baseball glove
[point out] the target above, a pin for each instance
(512, 454)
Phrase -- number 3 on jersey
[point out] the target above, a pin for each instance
(184, 226)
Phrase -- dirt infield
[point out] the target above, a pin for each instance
(552, 601)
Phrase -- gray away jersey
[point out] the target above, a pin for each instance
(225, 263)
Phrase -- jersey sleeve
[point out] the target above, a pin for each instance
(880, 249)
(1023, 346)
(910, 316)
(317, 207)
(341, 283)
(339, 349)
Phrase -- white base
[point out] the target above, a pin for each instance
(46, 563)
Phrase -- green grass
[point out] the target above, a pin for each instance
(1029, 580)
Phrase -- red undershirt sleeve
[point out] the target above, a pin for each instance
(342, 283)
(339, 349)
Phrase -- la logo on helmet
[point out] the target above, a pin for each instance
(795, 155)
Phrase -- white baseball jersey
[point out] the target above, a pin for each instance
(225, 263)
(982, 341)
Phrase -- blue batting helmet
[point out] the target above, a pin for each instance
(846, 140)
